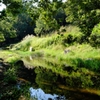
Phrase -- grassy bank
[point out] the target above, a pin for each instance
(12, 56)
(66, 46)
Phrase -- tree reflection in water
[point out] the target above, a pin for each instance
(48, 80)
(62, 79)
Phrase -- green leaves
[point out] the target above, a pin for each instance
(95, 36)
(45, 25)
(83, 13)
(7, 29)
(46, 16)
(13, 6)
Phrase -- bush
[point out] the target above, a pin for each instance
(73, 38)
(10, 75)
(95, 36)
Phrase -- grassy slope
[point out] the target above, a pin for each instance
(52, 46)
(55, 46)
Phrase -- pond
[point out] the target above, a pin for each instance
(50, 79)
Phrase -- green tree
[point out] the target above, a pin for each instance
(13, 6)
(60, 16)
(6, 28)
(84, 13)
(45, 15)
(16, 22)
(45, 25)
(23, 25)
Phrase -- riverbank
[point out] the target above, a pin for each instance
(55, 46)
(82, 59)
(61, 47)
(67, 45)
(63, 54)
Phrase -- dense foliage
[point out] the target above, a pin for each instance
(50, 29)
(95, 36)
(84, 13)
(42, 17)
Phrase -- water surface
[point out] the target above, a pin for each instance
(51, 79)
(55, 78)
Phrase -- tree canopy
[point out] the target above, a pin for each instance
(46, 15)
(84, 13)
(40, 17)
(13, 6)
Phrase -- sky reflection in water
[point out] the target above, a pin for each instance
(40, 95)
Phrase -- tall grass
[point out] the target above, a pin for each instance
(63, 46)
(53, 45)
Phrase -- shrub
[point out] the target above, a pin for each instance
(73, 38)
(95, 36)
(10, 75)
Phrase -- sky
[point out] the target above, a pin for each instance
(2, 7)
(64, 0)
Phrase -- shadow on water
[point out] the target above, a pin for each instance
(42, 79)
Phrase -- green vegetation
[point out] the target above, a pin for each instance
(83, 13)
(63, 31)
(95, 36)
(40, 17)
(64, 47)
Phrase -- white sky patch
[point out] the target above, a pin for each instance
(2, 7)
(64, 0)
